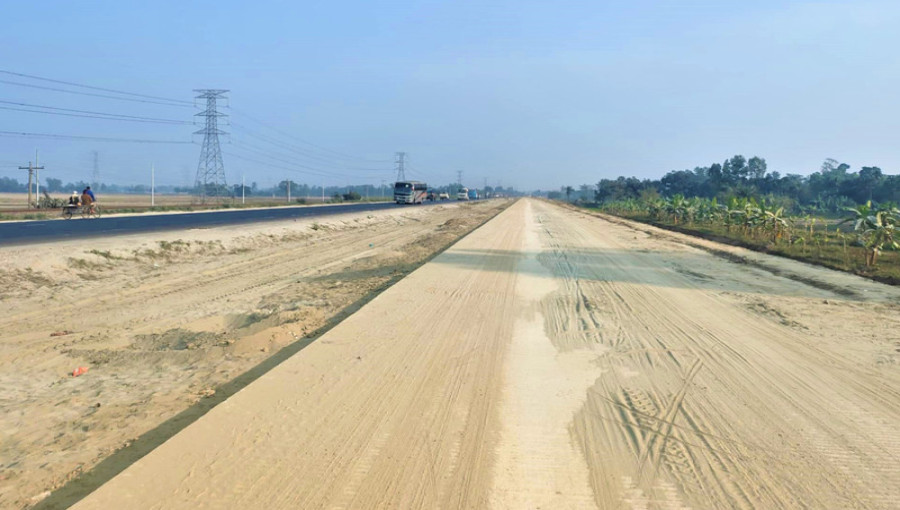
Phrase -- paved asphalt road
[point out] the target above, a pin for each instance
(25, 232)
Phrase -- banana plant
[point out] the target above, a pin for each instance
(777, 225)
(880, 231)
(876, 229)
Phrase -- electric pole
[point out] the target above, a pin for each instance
(95, 176)
(31, 170)
(459, 178)
(152, 185)
(37, 180)
(211, 170)
(401, 162)
(289, 190)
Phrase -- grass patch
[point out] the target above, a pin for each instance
(105, 254)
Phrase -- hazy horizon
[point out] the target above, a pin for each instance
(527, 94)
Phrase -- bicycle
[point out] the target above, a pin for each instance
(91, 211)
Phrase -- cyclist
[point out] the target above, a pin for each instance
(87, 199)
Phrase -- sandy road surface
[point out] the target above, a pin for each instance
(555, 360)
(162, 320)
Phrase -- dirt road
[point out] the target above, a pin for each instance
(557, 360)
(163, 320)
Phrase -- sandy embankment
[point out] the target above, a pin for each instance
(556, 360)
(162, 319)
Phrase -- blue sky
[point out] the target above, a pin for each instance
(524, 93)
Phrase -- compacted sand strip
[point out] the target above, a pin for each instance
(394, 407)
(556, 360)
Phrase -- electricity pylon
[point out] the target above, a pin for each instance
(210, 181)
(401, 171)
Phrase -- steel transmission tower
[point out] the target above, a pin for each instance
(211, 170)
(401, 161)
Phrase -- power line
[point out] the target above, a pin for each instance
(22, 75)
(287, 160)
(94, 138)
(94, 115)
(338, 154)
(302, 152)
(93, 95)
(281, 167)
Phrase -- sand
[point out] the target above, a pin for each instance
(162, 320)
(553, 359)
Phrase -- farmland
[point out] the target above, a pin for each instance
(862, 242)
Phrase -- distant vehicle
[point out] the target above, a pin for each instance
(410, 192)
(444, 196)
(463, 194)
(473, 194)
(431, 196)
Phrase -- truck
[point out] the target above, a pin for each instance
(473, 194)
(462, 194)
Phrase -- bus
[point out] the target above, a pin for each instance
(410, 192)
(462, 194)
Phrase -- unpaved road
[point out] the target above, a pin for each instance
(556, 360)
(163, 320)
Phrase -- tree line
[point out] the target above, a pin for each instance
(834, 187)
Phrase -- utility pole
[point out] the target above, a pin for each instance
(323, 192)
(382, 188)
(401, 170)
(210, 170)
(152, 185)
(242, 189)
(31, 170)
(289, 190)
(95, 176)
(37, 179)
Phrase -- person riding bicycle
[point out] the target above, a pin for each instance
(87, 199)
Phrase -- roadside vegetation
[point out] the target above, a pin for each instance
(834, 218)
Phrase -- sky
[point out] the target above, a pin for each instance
(531, 94)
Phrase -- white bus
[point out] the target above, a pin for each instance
(410, 192)
(462, 194)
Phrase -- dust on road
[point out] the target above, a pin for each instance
(556, 360)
